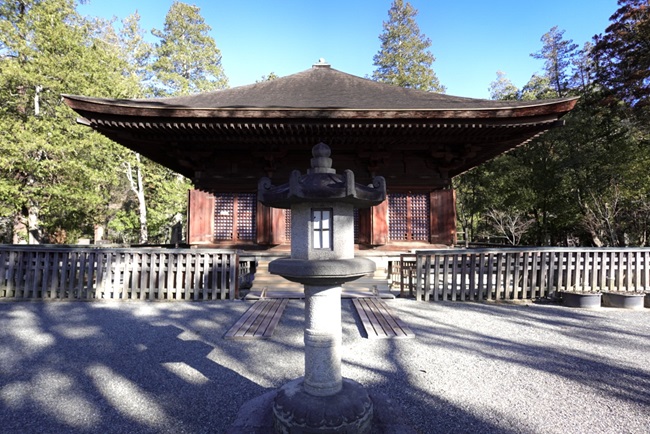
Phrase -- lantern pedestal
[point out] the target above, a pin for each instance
(322, 401)
(348, 411)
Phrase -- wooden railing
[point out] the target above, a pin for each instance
(88, 273)
(522, 273)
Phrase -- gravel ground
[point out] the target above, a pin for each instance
(139, 367)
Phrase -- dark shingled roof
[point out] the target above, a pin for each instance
(227, 139)
(322, 87)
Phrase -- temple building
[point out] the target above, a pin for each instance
(225, 141)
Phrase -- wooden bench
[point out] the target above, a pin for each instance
(379, 321)
(259, 321)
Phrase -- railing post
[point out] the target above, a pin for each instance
(234, 282)
(427, 277)
(418, 275)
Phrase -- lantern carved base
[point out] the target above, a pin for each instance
(348, 411)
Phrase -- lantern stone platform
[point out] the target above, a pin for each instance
(322, 258)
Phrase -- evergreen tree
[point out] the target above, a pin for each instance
(622, 57)
(187, 59)
(55, 176)
(137, 53)
(502, 88)
(404, 59)
(557, 54)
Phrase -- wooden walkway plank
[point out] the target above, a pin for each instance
(398, 327)
(379, 321)
(259, 321)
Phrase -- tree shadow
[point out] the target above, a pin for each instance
(127, 367)
(459, 352)
(143, 367)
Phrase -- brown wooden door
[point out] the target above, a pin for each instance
(235, 217)
(443, 217)
(200, 219)
(409, 217)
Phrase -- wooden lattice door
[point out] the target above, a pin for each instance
(409, 217)
(235, 216)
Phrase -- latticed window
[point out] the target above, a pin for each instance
(246, 210)
(408, 217)
(235, 216)
(287, 226)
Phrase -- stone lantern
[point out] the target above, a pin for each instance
(322, 204)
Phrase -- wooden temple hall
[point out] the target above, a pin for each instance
(225, 141)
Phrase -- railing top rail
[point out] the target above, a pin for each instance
(23, 247)
(444, 252)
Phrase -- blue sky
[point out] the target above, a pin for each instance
(471, 39)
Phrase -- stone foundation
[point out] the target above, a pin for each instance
(298, 412)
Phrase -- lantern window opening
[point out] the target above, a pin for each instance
(322, 228)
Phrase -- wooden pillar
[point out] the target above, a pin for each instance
(443, 217)
(200, 219)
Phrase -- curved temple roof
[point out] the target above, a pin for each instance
(411, 137)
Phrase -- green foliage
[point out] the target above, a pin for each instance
(167, 204)
(584, 183)
(59, 179)
(502, 88)
(404, 59)
(187, 59)
(622, 56)
(270, 77)
(52, 168)
(557, 54)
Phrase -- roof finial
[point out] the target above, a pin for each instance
(321, 64)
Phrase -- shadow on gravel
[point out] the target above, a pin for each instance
(587, 363)
(70, 367)
(111, 368)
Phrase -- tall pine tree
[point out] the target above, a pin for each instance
(404, 58)
(557, 54)
(187, 59)
(622, 56)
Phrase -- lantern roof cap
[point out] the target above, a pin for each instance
(321, 183)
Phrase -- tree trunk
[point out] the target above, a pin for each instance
(19, 230)
(138, 188)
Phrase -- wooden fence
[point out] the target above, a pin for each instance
(522, 273)
(88, 273)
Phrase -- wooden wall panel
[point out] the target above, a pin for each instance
(278, 226)
(443, 217)
(373, 225)
(271, 225)
(379, 214)
(200, 219)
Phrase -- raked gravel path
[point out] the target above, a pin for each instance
(140, 367)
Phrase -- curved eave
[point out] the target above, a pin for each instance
(96, 107)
